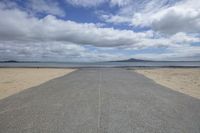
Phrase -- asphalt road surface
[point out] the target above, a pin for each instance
(104, 100)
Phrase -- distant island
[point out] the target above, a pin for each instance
(132, 60)
(14, 61)
(126, 60)
(140, 60)
(9, 61)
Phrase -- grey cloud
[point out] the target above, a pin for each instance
(18, 25)
(173, 22)
(185, 52)
(23, 36)
(52, 51)
(50, 28)
(164, 16)
(39, 50)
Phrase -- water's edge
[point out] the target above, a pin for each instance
(173, 64)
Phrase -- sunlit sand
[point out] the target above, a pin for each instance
(14, 80)
(186, 80)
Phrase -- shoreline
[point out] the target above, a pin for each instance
(79, 67)
(174, 64)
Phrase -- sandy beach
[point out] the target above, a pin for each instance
(186, 80)
(14, 80)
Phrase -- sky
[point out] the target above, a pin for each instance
(99, 30)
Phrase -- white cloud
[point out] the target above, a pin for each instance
(182, 53)
(165, 16)
(52, 51)
(29, 28)
(86, 3)
(39, 50)
(183, 38)
(35, 6)
(25, 36)
(133, 11)
(115, 19)
(94, 3)
(120, 2)
(184, 17)
(45, 6)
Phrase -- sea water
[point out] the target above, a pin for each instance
(104, 64)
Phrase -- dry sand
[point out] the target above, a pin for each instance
(14, 80)
(186, 80)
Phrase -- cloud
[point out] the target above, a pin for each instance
(134, 12)
(115, 19)
(39, 50)
(23, 36)
(50, 28)
(183, 53)
(94, 3)
(53, 51)
(86, 3)
(29, 28)
(45, 6)
(35, 7)
(120, 3)
(49, 38)
(169, 17)
(184, 17)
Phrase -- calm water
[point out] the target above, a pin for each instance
(105, 64)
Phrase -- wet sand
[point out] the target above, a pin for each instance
(14, 80)
(184, 80)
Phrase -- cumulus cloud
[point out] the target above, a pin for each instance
(183, 53)
(29, 28)
(53, 51)
(134, 11)
(25, 36)
(50, 28)
(169, 17)
(184, 17)
(39, 50)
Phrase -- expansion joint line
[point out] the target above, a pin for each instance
(100, 101)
